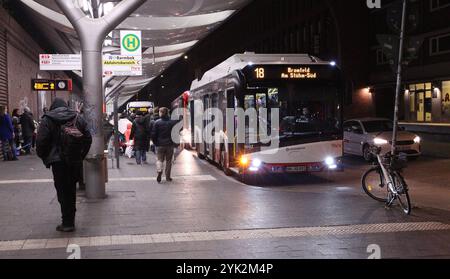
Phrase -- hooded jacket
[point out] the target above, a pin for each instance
(48, 142)
(140, 134)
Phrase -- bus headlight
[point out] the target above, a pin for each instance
(331, 163)
(256, 163)
(379, 141)
(417, 139)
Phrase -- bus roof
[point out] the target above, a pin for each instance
(240, 61)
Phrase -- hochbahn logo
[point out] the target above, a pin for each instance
(131, 42)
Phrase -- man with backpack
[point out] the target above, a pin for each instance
(63, 141)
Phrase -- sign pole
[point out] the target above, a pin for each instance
(399, 80)
(92, 33)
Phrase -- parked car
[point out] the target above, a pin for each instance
(360, 134)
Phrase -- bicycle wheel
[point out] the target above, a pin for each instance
(402, 192)
(374, 184)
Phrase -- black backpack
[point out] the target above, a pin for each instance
(72, 142)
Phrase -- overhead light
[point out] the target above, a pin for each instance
(186, 57)
(107, 7)
(333, 63)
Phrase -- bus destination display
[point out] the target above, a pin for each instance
(262, 73)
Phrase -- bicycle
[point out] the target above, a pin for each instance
(384, 182)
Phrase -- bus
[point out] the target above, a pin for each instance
(144, 106)
(305, 91)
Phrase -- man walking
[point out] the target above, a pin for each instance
(140, 135)
(162, 138)
(63, 142)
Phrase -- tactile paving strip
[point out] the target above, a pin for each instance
(99, 241)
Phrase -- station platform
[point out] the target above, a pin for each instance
(204, 214)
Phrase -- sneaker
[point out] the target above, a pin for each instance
(169, 179)
(159, 177)
(62, 228)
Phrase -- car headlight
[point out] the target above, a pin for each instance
(379, 141)
(417, 139)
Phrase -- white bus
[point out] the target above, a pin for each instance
(133, 107)
(307, 92)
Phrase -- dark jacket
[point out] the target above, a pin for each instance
(6, 127)
(162, 132)
(48, 142)
(140, 134)
(27, 123)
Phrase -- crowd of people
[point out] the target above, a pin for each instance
(153, 126)
(17, 132)
(62, 140)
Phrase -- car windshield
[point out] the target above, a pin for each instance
(378, 126)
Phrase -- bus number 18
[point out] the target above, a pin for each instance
(260, 73)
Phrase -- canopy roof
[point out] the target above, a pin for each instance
(169, 29)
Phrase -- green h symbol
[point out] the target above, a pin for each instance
(131, 42)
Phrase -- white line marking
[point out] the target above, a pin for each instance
(102, 241)
(185, 177)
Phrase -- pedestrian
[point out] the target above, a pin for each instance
(7, 135)
(162, 138)
(17, 128)
(28, 127)
(140, 136)
(63, 142)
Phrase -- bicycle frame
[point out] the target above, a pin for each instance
(387, 176)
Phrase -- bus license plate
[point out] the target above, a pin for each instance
(296, 169)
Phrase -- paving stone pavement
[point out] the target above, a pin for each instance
(201, 200)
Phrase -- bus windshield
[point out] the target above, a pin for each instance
(308, 113)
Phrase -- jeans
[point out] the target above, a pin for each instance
(12, 149)
(27, 142)
(164, 153)
(141, 156)
(65, 178)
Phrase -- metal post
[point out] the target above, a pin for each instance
(116, 130)
(92, 33)
(399, 79)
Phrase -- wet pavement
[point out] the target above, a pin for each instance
(204, 214)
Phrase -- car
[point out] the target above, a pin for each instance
(361, 134)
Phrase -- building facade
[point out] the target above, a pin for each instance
(19, 64)
(425, 95)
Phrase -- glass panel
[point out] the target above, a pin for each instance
(421, 106)
(249, 102)
(412, 87)
(261, 101)
(420, 86)
(428, 86)
(446, 100)
(412, 102)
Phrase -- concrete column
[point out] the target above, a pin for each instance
(92, 33)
